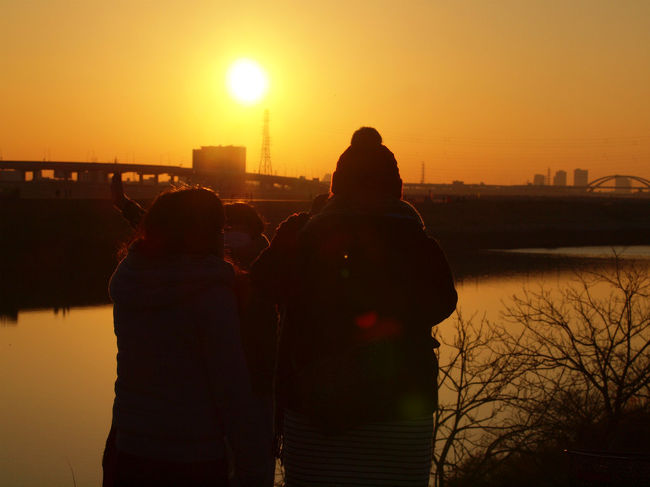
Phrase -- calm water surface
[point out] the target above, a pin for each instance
(57, 372)
(630, 251)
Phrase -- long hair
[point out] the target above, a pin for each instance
(182, 221)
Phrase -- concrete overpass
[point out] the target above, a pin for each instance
(98, 170)
(90, 180)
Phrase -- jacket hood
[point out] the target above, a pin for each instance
(141, 282)
(381, 207)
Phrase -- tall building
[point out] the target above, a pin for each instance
(560, 178)
(580, 177)
(539, 180)
(221, 159)
(221, 167)
(622, 184)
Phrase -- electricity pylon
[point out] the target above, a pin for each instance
(265, 157)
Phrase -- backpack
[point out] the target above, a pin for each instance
(360, 344)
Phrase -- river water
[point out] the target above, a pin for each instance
(57, 370)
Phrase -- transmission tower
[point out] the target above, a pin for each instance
(265, 157)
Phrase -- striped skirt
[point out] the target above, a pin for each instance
(395, 453)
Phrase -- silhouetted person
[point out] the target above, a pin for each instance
(362, 287)
(243, 241)
(319, 203)
(182, 381)
(244, 237)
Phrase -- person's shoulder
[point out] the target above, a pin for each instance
(404, 212)
(291, 225)
(261, 240)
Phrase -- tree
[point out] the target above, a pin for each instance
(475, 389)
(568, 368)
(585, 351)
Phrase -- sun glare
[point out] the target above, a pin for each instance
(247, 81)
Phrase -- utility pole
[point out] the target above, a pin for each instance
(265, 157)
(422, 174)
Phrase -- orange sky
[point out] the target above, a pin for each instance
(491, 91)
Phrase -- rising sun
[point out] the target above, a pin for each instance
(247, 81)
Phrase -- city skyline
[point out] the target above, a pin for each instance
(479, 92)
(537, 179)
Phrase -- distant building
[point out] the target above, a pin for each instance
(560, 178)
(580, 177)
(539, 180)
(12, 176)
(221, 167)
(228, 159)
(622, 184)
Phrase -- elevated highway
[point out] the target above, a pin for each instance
(89, 180)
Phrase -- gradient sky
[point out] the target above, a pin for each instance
(480, 91)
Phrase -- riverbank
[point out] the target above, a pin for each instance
(61, 253)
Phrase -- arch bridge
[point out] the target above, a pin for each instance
(605, 183)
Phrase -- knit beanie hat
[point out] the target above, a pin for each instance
(367, 168)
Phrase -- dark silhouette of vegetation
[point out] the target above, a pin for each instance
(558, 388)
(586, 353)
(474, 395)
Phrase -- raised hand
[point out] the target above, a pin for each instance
(118, 197)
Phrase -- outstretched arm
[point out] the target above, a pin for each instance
(271, 272)
(131, 210)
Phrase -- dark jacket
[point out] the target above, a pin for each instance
(182, 381)
(366, 286)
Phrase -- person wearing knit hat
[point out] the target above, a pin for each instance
(367, 178)
(367, 168)
(364, 286)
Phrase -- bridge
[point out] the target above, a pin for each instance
(93, 171)
(94, 176)
(602, 183)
